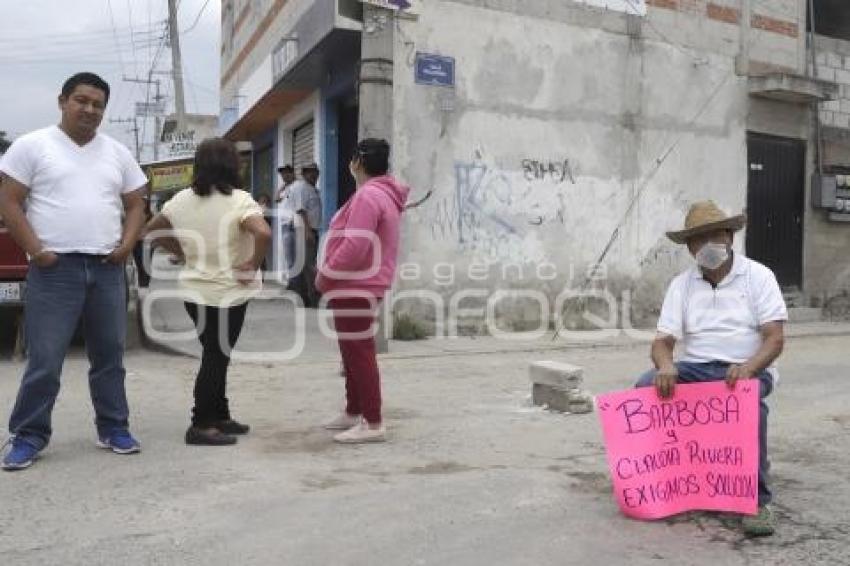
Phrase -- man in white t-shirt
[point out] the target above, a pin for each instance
(306, 204)
(284, 216)
(729, 314)
(65, 191)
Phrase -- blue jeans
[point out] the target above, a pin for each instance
(690, 372)
(77, 286)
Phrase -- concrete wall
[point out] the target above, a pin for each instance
(827, 260)
(558, 121)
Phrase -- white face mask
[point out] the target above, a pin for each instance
(711, 255)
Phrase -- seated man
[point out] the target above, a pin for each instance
(729, 313)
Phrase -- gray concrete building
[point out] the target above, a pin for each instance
(560, 139)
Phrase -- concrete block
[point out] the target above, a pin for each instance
(579, 402)
(556, 374)
(826, 74)
(834, 60)
(561, 400)
(832, 106)
(842, 77)
(554, 398)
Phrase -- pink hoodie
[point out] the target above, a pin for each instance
(371, 216)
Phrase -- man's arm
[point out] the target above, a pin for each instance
(773, 342)
(134, 219)
(309, 235)
(12, 197)
(662, 356)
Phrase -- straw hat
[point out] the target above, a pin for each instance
(706, 217)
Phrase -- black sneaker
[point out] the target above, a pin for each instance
(232, 427)
(208, 437)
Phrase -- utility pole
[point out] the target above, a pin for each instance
(376, 98)
(134, 129)
(176, 66)
(157, 115)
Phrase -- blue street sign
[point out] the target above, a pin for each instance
(435, 70)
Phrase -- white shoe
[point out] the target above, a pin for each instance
(344, 422)
(361, 434)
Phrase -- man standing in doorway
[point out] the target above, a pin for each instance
(307, 208)
(285, 215)
(74, 184)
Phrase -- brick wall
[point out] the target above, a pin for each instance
(782, 19)
(833, 64)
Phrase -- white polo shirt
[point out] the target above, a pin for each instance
(722, 324)
(74, 202)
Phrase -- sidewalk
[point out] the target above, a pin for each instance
(271, 323)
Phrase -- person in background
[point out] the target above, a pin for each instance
(63, 194)
(222, 239)
(356, 271)
(307, 220)
(265, 203)
(142, 275)
(286, 214)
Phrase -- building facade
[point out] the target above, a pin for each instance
(560, 139)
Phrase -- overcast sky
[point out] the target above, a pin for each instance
(43, 42)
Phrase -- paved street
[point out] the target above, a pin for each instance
(472, 474)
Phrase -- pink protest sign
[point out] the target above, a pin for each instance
(696, 450)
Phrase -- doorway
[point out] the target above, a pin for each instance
(349, 120)
(775, 197)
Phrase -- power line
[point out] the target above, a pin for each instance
(86, 35)
(197, 18)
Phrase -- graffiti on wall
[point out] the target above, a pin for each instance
(498, 213)
(558, 172)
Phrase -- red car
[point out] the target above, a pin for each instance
(13, 270)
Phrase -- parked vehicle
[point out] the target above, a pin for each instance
(13, 273)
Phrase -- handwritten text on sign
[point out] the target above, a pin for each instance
(696, 450)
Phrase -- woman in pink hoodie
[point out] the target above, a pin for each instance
(358, 266)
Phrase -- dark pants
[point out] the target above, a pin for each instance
(302, 274)
(139, 259)
(716, 371)
(218, 331)
(362, 379)
(78, 286)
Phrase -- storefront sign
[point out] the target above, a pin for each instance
(169, 177)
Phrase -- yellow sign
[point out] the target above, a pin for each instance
(168, 177)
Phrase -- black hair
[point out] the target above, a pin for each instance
(89, 79)
(286, 168)
(216, 166)
(374, 155)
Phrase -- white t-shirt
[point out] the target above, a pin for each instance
(209, 231)
(286, 206)
(722, 324)
(74, 201)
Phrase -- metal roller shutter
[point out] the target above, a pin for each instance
(302, 146)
